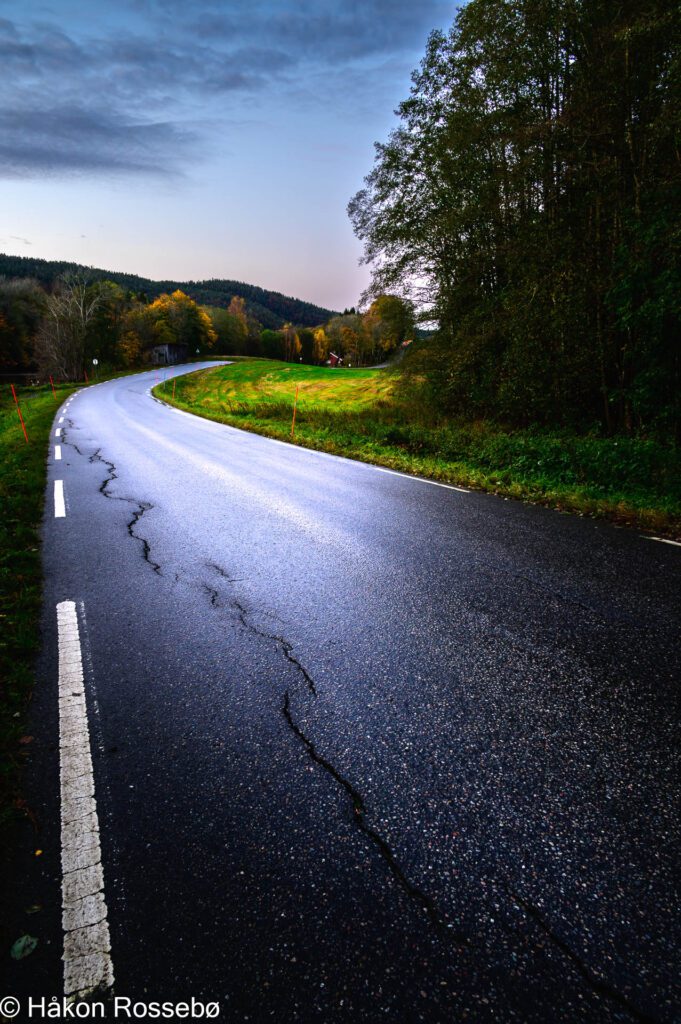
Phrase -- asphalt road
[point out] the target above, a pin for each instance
(365, 748)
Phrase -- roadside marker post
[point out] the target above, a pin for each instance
(173, 389)
(86, 376)
(295, 405)
(21, 418)
(53, 391)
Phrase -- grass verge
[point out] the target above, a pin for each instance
(23, 469)
(363, 414)
(22, 494)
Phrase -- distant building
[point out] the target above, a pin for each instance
(334, 360)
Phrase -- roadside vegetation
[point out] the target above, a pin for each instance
(23, 469)
(528, 201)
(22, 493)
(379, 416)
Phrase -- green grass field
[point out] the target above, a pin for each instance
(256, 381)
(364, 414)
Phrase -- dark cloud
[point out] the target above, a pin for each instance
(112, 92)
(320, 30)
(7, 29)
(76, 140)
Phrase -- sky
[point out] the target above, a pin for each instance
(203, 138)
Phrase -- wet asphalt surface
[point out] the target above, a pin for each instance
(365, 748)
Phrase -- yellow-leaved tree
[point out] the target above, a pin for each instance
(292, 346)
(320, 346)
(169, 320)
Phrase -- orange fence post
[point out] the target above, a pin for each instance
(53, 391)
(21, 418)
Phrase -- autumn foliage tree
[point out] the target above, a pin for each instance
(248, 325)
(292, 345)
(169, 320)
(388, 322)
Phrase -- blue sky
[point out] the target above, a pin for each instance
(201, 139)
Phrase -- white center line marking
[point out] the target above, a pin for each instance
(58, 430)
(59, 506)
(61, 419)
(87, 946)
(57, 451)
(665, 540)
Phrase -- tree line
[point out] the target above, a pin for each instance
(271, 308)
(528, 203)
(60, 330)
(359, 339)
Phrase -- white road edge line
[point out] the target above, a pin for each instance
(57, 451)
(316, 451)
(663, 540)
(408, 476)
(87, 945)
(59, 505)
(58, 430)
(61, 419)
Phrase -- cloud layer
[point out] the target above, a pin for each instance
(138, 91)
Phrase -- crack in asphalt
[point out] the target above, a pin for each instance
(359, 811)
(213, 594)
(71, 444)
(142, 508)
(286, 647)
(596, 983)
(221, 572)
(97, 457)
(426, 903)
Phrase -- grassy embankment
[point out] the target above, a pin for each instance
(363, 415)
(22, 491)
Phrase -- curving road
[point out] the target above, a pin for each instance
(364, 748)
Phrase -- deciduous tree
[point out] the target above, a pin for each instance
(528, 202)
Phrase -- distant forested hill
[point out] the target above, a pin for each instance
(271, 308)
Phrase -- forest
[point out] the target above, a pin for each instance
(59, 330)
(527, 203)
(272, 309)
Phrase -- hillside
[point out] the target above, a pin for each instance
(271, 308)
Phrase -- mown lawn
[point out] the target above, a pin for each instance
(255, 381)
(363, 414)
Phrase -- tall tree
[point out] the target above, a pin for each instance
(69, 312)
(528, 202)
(388, 322)
(22, 304)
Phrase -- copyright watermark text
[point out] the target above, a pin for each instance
(116, 1008)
